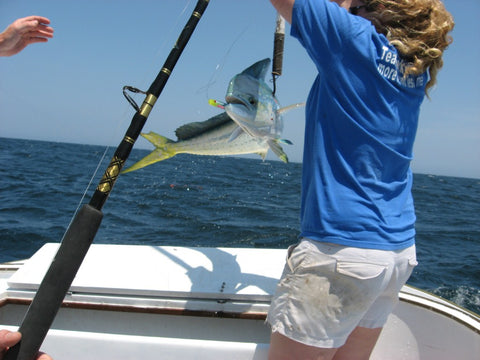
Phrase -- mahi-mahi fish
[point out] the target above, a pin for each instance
(251, 123)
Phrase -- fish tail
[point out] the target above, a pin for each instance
(162, 151)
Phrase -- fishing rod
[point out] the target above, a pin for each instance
(82, 230)
(278, 45)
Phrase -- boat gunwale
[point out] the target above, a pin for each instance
(417, 297)
(440, 306)
(246, 315)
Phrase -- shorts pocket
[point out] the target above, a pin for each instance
(412, 262)
(361, 271)
(299, 256)
(294, 260)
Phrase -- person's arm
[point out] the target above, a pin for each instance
(9, 338)
(284, 8)
(23, 32)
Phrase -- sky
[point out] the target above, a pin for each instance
(70, 89)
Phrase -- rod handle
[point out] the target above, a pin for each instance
(55, 284)
(278, 46)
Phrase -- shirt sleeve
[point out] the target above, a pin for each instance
(325, 30)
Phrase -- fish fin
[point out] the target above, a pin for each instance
(193, 129)
(157, 140)
(290, 107)
(285, 141)
(263, 154)
(259, 69)
(277, 150)
(161, 152)
(235, 134)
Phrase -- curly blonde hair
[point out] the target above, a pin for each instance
(419, 29)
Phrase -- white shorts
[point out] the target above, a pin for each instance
(327, 290)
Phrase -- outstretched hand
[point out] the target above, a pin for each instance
(8, 339)
(23, 32)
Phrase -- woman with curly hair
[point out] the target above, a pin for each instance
(376, 61)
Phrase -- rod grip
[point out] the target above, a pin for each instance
(55, 284)
(278, 46)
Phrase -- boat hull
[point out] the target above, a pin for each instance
(203, 303)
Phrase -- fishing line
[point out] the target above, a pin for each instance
(219, 67)
(126, 114)
(165, 44)
(80, 235)
(92, 178)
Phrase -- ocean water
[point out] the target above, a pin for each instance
(216, 201)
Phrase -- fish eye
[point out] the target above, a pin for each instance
(252, 101)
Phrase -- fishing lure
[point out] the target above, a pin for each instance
(216, 103)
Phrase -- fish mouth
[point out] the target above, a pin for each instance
(235, 100)
(241, 110)
(242, 113)
(238, 108)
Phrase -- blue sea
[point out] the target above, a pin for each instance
(216, 201)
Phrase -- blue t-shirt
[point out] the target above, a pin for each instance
(361, 120)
